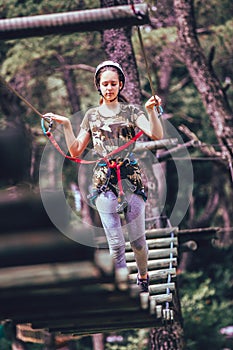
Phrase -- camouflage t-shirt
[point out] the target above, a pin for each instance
(109, 133)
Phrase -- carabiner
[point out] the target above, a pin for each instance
(159, 110)
(49, 121)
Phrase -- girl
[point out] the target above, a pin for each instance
(117, 180)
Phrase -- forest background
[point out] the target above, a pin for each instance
(55, 73)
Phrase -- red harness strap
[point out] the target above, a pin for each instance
(112, 165)
(83, 161)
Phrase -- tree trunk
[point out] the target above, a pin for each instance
(167, 338)
(118, 47)
(204, 77)
(70, 84)
(15, 139)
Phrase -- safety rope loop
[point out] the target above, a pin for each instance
(117, 165)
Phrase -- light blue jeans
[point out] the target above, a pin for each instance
(106, 204)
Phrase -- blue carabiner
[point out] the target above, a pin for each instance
(49, 121)
(159, 110)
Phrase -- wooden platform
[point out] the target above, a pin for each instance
(52, 282)
(80, 297)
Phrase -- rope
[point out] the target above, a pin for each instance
(83, 161)
(158, 108)
(20, 97)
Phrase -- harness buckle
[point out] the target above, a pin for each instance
(49, 121)
(122, 207)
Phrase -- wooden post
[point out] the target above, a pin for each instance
(74, 21)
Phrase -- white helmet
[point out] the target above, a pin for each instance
(109, 64)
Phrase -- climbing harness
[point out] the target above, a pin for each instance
(122, 203)
(118, 170)
(111, 163)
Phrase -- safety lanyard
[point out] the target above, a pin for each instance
(50, 136)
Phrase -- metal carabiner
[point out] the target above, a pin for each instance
(159, 110)
(49, 121)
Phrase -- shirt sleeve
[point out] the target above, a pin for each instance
(136, 113)
(85, 122)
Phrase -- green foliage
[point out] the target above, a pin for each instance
(17, 8)
(206, 301)
(212, 12)
(5, 344)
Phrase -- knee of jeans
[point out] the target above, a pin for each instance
(117, 251)
(139, 244)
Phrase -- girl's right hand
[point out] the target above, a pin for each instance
(57, 118)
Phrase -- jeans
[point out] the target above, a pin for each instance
(106, 204)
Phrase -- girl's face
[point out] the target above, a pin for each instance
(110, 85)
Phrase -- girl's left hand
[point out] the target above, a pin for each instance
(153, 101)
(57, 118)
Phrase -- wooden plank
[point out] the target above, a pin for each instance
(140, 146)
(70, 304)
(137, 321)
(162, 298)
(47, 274)
(161, 288)
(153, 264)
(154, 254)
(155, 275)
(197, 234)
(26, 333)
(29, 247)
(161, 232)
(117, 321)
(22, 210)
(156, 243)
(74, 21)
